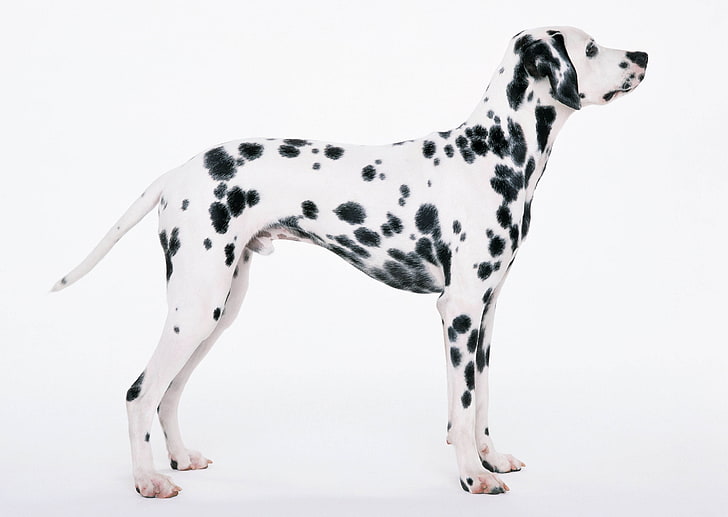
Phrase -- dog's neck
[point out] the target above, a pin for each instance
(540, 116)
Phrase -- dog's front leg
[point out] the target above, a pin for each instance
(491, 459)
(461, 313)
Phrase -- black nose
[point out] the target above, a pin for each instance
(638, 58)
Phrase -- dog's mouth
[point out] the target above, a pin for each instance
(630, 84)
(610, 95)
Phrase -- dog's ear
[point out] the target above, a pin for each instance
(549, 59)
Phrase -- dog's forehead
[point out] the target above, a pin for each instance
(571, 35)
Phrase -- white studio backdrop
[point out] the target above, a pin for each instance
(327, 397)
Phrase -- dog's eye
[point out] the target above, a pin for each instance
(591, 49)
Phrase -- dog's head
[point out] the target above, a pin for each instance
(577, 70)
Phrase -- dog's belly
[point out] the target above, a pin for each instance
(411, 265)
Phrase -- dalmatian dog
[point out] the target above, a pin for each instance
(442, 214)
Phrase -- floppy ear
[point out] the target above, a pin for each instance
(550, 60)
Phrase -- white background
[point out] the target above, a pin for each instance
(327, 397)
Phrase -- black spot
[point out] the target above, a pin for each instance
(250, 151)
(507, 182)
(449, 151)
(487, 432)
(220, 217)
(462, 323)
(207, 243)
(296, 142)
(517, 141)
(444, 255)
(479, 355)
(452, 335)
(173, 464)
(504, 216)
(530, 169)
(456, 227)
(135, 389)
(466, 399)
(623, 64)
(424, 250)
(310, 210)
(252, 198)
(367, 237)
(229, 254)
(316, 166)
(351, 212)
(514, 234)
(545, 117)
(146, 437)
(427, 221)
(220, 164)
(455, 356)
(429, 148)
(462, 484)
(465, 151)
(333, 152)
(236, 201)
(469, 481)
(348, 255)
(485, 269)
(185, 204)
(516, 89)
(170, 248)
(395, 223)
(216, 313)
(436, 162)
(479, 147)
(497, 141)
(398, 255)
(220, 190)
(473, 340)
(444, 134)
(353, 246)
(368, 173)
(496, 246)
(470, 375)
(487, 296)
(288, 151)
(487, 356)
(526, 223)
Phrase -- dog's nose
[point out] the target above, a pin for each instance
(638, 58)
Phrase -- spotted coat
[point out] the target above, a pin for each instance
(442, 214)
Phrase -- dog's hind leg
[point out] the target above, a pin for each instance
(196, 292)
(180, 457)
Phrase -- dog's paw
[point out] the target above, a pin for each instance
(153, 484)
(483, 482)
(501, 463)
(188, 460)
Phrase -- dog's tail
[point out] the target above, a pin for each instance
(136, 212)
